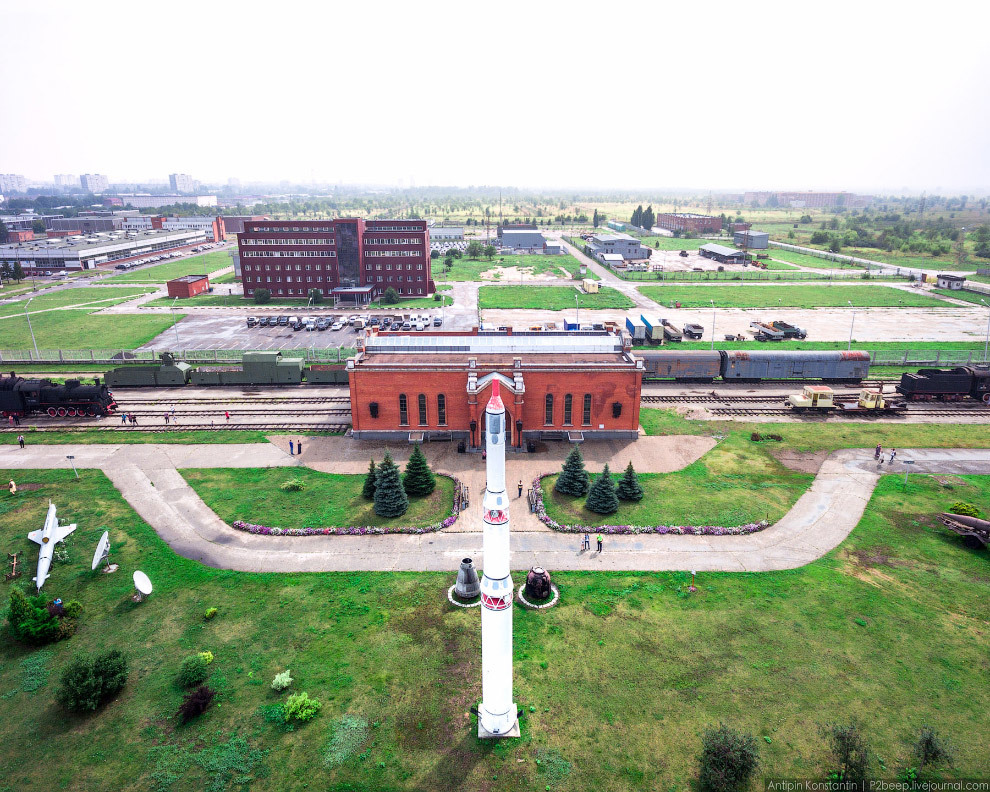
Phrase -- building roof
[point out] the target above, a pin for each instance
(688, 214)
(614, 238)
(543, 342)
(721, 250)
(98, 241)
(188, 279)
(613, 257)
(751, 232)
(952, 277)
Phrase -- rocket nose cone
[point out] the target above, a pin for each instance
(496, 400)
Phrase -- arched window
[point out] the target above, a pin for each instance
(548, 412)
(586, 418)
(441, 409)
(403, 410)
(568, 401)
(422, 409)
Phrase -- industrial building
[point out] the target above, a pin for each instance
(630, 248)
(181, 183)
(722, 254)
(529, 241)
(953, 282)
(145, 201)
(187, 286)
(94, 182)
(502, 228)
(87, 252)
(686, 221)
(213, 227)
(751, 240)
(351, 259)
(440, 234)
(555, 385)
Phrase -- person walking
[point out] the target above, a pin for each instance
(166, 419)
(123, 419)
(292, 448)
(298, 447)
(10, 420)
(876, 454)
(600, 540)
(586, 544)
(17, 420)
(520, 489)
(133, 420)
(20, 440)
(893, 453)
(226, 414)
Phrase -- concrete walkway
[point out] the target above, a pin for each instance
(147, 476)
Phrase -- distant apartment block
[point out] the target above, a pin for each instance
(350, 259)
(686, 221)
(146, 201)
(807, 200)
(12, 183)
(181, 183)
(66, 181)
(94, 182)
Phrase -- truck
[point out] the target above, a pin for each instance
(694, 331)
(765, 332)
(654, 328)
(789, 330)
(637, 329)
(671, 333)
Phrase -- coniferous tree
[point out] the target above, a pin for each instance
(648, 218)
(368, 490)
(573, 479)
(418, 478)
(594, 219)
(637, 217)
(390, 497)
(629, 488)
(601, 497)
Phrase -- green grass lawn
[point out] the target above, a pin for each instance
(203, 264)
(549, 298)
(817, 296)
(615, 683)
(79, 330)
(227, 277)
(465, 269)
(328, 499)
(93, 298)
(965, 296)
(737, 482)
(808, 260)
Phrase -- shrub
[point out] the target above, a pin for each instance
(192, 671)
(292, 485)
(210, 613)
(850, 752)
(88, 682)
(728, 758)
(281, 681)
(300, 707)
(262, 296)
(418, 479)
(573, 479)
(964, 508)
(436, 296)
(315, 296)
(931, 749)
(195, 703)
(34, 621)
(390, 297)
(207, 657)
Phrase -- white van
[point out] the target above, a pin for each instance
(359, 324)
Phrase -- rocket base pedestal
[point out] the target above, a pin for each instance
(484, 734)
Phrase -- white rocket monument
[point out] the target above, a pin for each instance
(497, 713)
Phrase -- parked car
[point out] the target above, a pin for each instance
(406, 326)
(297, 327)
(437, 321)
(252, 321)
(336, 326)
(283, 321)
(263, 321)
(322, 323)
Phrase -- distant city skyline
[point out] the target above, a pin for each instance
(872, 98)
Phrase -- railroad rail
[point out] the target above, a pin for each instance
(333, 428)
(763, 411)
(341, 411)
(123, 399)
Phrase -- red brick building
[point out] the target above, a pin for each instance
(350, 259)
(686, 221)
(435, 386)
(188, 286)
(25, 235)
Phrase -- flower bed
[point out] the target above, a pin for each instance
(351, 530)
(684, 530)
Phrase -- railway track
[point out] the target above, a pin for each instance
(763, 411)
(334, 428)
(341, 411)
(123, 400)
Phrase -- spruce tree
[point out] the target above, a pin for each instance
(368, 490)
(601, 498)
(418, 479)
(629, 488)
(390, 497)
(573, 479)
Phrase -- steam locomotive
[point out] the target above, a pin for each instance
(21, 397)
(947, 384)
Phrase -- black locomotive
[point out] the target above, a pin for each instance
(20, 397)
(947, 384)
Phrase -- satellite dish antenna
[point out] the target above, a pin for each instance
(102, 550)
(142, 584)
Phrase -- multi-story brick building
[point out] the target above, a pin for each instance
(351, 259)
(435, 385)
(686, 221)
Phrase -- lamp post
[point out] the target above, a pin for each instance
(851, 325)
(72, 461)
(28, 317)
(713, 324)
(175, 327)
(986, 345)
(577, 311)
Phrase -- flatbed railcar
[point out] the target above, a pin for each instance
(753, 366)
(22, 397)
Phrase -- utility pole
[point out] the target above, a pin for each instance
(28, 317)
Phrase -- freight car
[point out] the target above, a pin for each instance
(21, 397)
(167, 375)
(947, 384)
(702, 366)
(257, 368)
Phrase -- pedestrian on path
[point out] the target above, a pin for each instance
(133, 420)
(173, 412)
(166, 419)
(292, 448)
(600, 540)
(123, 419)
(227, 415)
(20, 440)
(10, 420)
(17, 420)
(298, 447)
(893, 453)
(586, 544)
(520, 489)
(878, 452)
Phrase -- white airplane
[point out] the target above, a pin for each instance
(48, 537)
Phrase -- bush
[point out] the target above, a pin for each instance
(964, 508)
(728, 759)
(850, 752)
(210, 613)
(262, 296)
(88, 682)
(315, 296)
(300, 707)
(195, 703)
(281, 681)
(33, 621)
(436, 296)
(391, 297)
(931, 749)
(292, 485)
(207, 657)
(192, 671)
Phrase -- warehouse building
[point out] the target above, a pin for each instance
(188, 286)
(351, 259)
(751, 240)
(630, 248)
(529, 241)
(434, 386)
(722, 254)
(73, 253)
(686, 221)
(441, 234)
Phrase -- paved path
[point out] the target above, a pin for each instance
(147, 477)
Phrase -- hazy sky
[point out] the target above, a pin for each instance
(868, 96)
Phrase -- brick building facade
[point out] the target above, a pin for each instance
(436, 385)
(188, 286)
(686, 221)
(350, 259)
